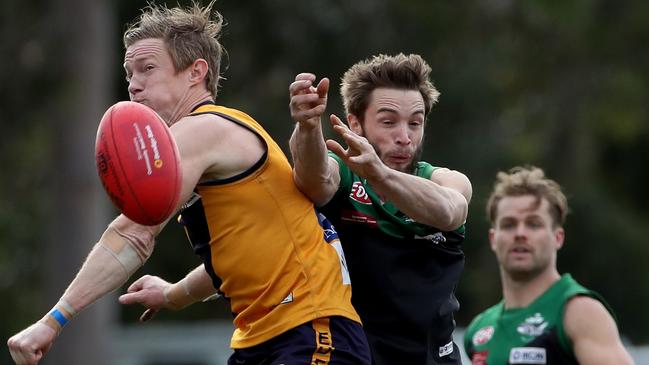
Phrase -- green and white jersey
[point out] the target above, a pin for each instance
(403, 274)
(366, 208)
(530, 335)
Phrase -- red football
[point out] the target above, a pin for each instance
(138, 162)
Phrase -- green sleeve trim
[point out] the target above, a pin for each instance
(425, 170)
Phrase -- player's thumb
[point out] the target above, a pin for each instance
(323, 88)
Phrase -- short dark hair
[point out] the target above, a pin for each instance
(409, 72)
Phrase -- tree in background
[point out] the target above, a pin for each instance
(56, 85)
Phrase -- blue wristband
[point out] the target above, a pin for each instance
(59, 317)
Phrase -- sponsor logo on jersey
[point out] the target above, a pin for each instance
(329, 230)
(533, 326)
(527, 355)
(479, 358)
(359, 193)
(483, 335)
(446, 349)
(358, 217)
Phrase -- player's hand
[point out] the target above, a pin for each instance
(30, 345)
(308, 102)
(150, 292)
(359, 156)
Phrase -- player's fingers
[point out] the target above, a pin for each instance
(336, 148)
(338, 125)
(24, 356)
(138, 284)
(300, 87)
(148, 314)
(323, 88)
(302, 101)
(358, 159)
(351, 138)
(131, 298)
(307, 114)
(305, 76)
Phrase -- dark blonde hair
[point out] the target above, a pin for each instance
(409, 72)
(528, 180)
(189, 33)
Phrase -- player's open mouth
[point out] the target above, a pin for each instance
(400, 159)
(519, 249)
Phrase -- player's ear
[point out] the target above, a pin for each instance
(198, 70)
(354, 124)
(492, 243)
(559, 236)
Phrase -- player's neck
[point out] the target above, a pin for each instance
(185, 105)
(519, 292)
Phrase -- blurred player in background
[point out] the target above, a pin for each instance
(544, 317)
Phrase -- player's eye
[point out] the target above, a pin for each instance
(507, 224)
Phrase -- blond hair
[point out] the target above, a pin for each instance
(528, 180)
(409, 72)
(189, 33)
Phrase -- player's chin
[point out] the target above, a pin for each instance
(521, 271)
(399, 164)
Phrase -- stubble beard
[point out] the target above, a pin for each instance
(525, 273)
(416, 156)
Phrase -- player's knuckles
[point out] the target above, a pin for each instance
(137, 284)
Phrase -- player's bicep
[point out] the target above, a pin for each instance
(196, 154)
(593, 333)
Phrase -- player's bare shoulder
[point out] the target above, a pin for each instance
(222, 147)
(580, 311)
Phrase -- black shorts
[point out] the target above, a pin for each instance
(330, 340)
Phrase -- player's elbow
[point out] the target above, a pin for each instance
(318, 190)
(452, 216)
(140, 238)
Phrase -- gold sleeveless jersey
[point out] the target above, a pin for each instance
(264, 246)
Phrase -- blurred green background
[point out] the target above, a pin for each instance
(559, 84)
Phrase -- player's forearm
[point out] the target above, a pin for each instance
(121, 250)
(100, 274)
(311, 167)
(422, 200)
(194, 287)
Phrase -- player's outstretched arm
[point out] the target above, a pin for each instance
(314, 172)
(593, 333)
(121, 250)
